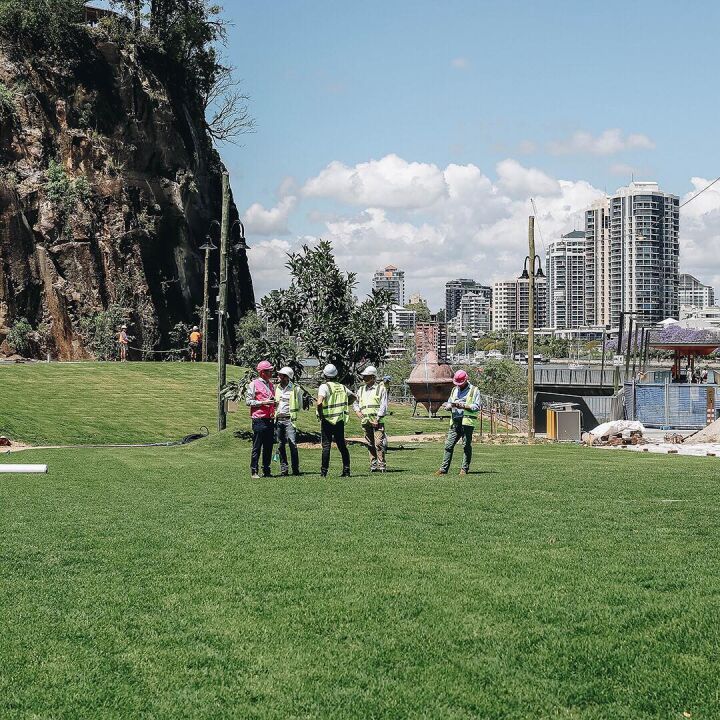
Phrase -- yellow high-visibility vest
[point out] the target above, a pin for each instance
(473, 397)
(335, 405)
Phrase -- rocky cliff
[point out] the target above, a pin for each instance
(109, 184)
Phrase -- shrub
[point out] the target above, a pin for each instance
(45, 24)
(20, 337)
(99, 331)
(65, 194)
(502, 379)
(7, 101)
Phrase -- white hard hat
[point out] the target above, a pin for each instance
(195, 327)
(330, 371)
(124, 327)
(369, 370)
(287, 371)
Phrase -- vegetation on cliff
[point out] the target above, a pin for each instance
(109, 180)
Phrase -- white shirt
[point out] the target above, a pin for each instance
(283, 406)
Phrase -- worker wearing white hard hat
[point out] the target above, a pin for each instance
(332, 410)
(371, 408)
(124, 342)
(194, 342)
(288, 399)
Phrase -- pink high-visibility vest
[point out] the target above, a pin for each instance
(263, 391)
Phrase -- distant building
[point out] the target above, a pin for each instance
(399, 318)
(511, 304)
(454, 291)
(692, 292)
(392, 280)
(700, 318)
(474, 314)
(632, 255)
(417, 299)
(431, 337)
(569, 282)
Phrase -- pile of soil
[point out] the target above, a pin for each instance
(709, 434)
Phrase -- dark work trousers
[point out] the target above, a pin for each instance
(456, 433)
(330, 432)
(285, 434)
(263, 437)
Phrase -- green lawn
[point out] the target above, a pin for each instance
(552, 582)
(51, 404)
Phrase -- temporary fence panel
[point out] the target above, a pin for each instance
(670, 405)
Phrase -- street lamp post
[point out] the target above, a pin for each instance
(530, 277)
(207, 247)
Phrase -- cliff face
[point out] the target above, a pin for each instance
(108, 186)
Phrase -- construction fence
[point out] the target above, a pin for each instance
(672, 405)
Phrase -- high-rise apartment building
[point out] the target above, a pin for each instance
(568, 281)
(454, 291)
(511, 307)
(398, 318)
(392, 280)
(474, 314)
(633, 251)
(692, 292)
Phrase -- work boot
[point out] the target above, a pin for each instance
(283, 473)
(323, 473)
(296, 473)
(440, 472)
(463, 472)
(255, 475)
(345, 472)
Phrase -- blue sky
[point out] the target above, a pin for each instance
(355, 81)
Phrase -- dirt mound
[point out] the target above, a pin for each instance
(709, 434)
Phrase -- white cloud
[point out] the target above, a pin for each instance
(467, 225)
(519, 181)
(609, 142)
(260, 221)
(700, 232)
(390, 182)
(460, 63)
(267, 265)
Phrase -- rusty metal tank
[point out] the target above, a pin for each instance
(430, 382)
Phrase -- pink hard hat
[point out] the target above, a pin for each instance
(460, 377)
(264, 365)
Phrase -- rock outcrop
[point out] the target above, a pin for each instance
(109, 184)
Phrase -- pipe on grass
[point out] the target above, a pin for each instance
(7, 468)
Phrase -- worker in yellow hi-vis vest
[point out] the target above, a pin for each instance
(332, 410)
(371, 407)
(464, 402)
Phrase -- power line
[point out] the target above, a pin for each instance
(700, 192)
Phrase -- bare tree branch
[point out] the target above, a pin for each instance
(226, 109)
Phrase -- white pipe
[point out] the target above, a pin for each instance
(4, 468)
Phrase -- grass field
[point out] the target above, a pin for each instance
(67, 403)
(552, 582)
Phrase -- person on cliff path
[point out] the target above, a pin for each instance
(464, 402)
(371, 407)
(260, 398)
(332, 411)
(123, 342)
(288, 403)
(195, 340)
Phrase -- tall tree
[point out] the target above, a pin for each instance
(320, 310)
